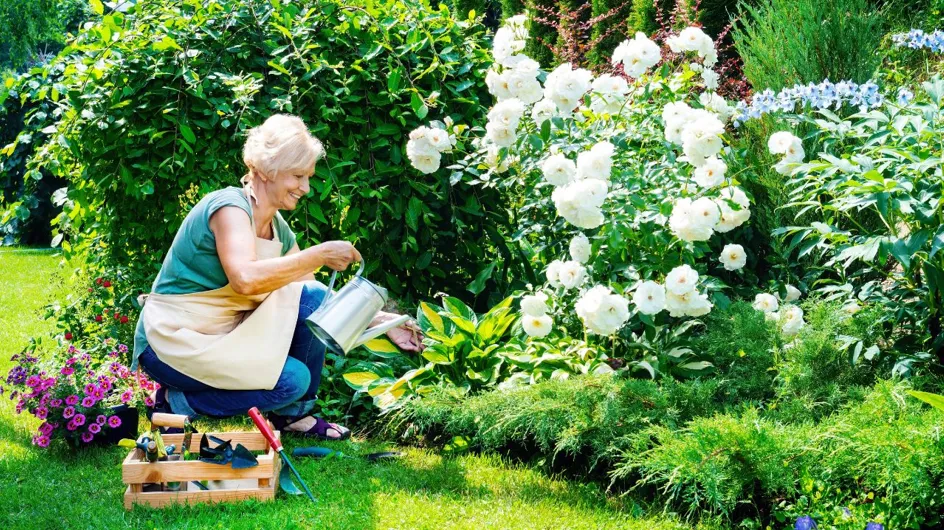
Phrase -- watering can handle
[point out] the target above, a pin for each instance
(334, 276)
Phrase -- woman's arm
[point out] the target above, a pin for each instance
(236, 246)
(305, 277)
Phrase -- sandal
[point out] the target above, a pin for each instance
(320, 430)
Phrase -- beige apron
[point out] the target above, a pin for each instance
(224, 339)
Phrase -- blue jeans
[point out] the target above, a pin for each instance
(293, 395)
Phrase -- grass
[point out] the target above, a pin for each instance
(60, 489)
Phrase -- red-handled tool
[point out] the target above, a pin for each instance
(266, 431)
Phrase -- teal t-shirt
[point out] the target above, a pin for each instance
(192, 264)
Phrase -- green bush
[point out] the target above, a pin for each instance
(536, 49)
(885, 449)
(642, 17)
(157, 118)
(783, 42)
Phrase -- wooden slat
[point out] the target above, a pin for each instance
(140, 472)
(159, 499)
(253, 441)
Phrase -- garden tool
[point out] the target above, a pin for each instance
(342, 320)
(224, 453)
(286, 481)
(323, 452)
(179, 421)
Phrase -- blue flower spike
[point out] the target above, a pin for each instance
(805, 523)
(874, 526)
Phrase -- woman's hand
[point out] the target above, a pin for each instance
(407, 337)
(337, 254)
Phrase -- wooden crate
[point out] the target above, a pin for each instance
(136, 471)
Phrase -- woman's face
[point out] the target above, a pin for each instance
(287, 188)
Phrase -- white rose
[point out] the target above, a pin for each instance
(534, 304)
(501, 135)
(542, 111)
(571, 274)
(439, 139)
(566, 87)
(579, 202)
(537, 326)
(793, 293)
(794, 152)
(685, 224)
(677, 304)
(493, 160)
(698, 305)
(692, 39)
(498, 84)
(649, 298)
(710, 78)
(558, 169)
(766, 303)
(597, 163)
(553, 272)
(681, 280)
(507, 113)
(702, 138)
(601, 311)
(580, 248)
(717, 104)
(423, 156)
(792, 320)
(733, 257)
(419, 133)
(711, 173)
(779, 142)
(521, 63)
(705, 212)
(676, 110)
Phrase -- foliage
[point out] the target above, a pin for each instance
(467, 352)
(645, 186)
(26, 24)
(642, 17)
(872, 199)
(882, 451)
(783, 42)
(159, 100)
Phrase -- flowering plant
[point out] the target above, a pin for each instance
(76, 397)
(624, 185)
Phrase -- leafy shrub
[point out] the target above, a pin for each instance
(642, 17)
(783, 42)
(156, 118)
(743, 465)
(882, 167)
(624, 201)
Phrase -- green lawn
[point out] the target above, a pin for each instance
(55, 489)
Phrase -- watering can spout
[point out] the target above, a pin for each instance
(380, 329)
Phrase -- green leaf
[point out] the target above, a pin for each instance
(438, 354)
(935, 400)
(188, 134)
(97, 7)
(428, 318)
(360, 380)
(413, 210)
(462, 323)
(382, 347)
(478, 284)
(393, 81)
(456, 307)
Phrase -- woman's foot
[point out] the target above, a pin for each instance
(311, 426)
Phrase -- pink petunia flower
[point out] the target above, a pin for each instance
(89, 402)
(126, 396)
(68, 412)
(33, 381)
(71, 426)
(94, 428)
(122, 348)
(46, 428)
(70, 361)
(87, 437)
(72, 349)
(67, 370)
(101, 419)
(55, 403)
(42, 441)
(114, 422)
(79, 419)
(90, 389)
(41, 413)
(149, 401)
(72, 400)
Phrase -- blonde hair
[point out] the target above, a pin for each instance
(282, 143)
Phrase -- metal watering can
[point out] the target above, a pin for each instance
(342, 319)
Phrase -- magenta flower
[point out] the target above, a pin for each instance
(90, 389)
(87, 437)
(41, 413)
(19, 406)
(70, 361)
(46, 428)
(101, 419)
(85, 357)
(68, 412)
(149, 401)
(67, 370)
(71, 425)
(89, 402)
(79, 419)
(72, 349)
(94, 428)
(99, 394)
(126, 396)
(55, 403)
(42, 441)
(113, 354)
(114, 422)
(106, 384)
(122, 348)
(49, 383)
(72, 400)
(33, 381)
